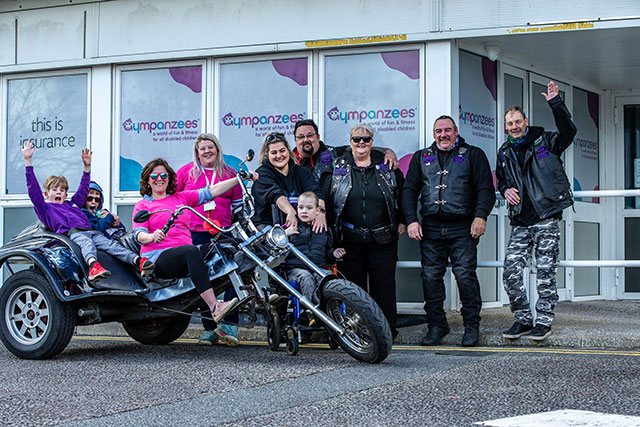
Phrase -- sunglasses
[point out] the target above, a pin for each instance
(163, 175)
(275, 137)
(365, 139)
(93, 198)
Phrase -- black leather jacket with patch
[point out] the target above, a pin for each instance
(541, 174)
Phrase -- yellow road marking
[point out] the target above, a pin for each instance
(545, 350)
(539, 350)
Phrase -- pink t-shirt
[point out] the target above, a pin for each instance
(179, 234)
(222, 211)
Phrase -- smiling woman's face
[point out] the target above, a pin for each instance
(361, 142)
(158, 184)
(207, 153)
(278, 155)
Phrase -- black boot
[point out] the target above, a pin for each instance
(470, 337)
(435, 334)
(517, 330)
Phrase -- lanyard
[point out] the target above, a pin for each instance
(213, 177)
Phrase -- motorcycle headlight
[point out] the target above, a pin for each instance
(277, 237)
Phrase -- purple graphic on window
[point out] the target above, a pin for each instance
(191, 77)
(407, 62)
(295, 69)
(404, 163)
(592, 104)
(490, 76)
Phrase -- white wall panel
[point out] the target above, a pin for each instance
(467, 15)
(129, 27)
(54, 34)
(7, 37)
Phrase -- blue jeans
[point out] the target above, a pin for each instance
(439, 244)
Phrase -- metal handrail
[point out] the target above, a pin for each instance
(600, 263)
(614, 263)
(595, 193)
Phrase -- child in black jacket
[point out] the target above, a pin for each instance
(316, 246)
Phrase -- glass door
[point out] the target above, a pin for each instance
(628, 133)
(584, 160)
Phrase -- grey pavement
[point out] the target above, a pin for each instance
(588, 324)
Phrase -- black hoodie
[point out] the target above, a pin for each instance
(272, 184)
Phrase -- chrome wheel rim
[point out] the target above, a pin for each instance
(27, 315)
(357, 335)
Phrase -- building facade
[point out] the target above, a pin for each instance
(134, 80)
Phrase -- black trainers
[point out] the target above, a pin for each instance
(517, 330)
(471, 335)
(540, 332)
(435, 334)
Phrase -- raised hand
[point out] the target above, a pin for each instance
(552, 91)
(27, 152)
(86, 159)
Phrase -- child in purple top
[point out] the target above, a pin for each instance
(66, 217)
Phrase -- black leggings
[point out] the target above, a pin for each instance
(180, 261)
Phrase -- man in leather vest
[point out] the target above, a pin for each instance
(313, 154)
(454, 182)
(532, 180)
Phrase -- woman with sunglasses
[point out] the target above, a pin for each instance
(208, 167)
(280, 184)
(363, 203)
(173, 252)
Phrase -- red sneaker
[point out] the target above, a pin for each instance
(96, 272)
(146, 267)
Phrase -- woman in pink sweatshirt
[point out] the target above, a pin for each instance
(208, 167)
(173, 252)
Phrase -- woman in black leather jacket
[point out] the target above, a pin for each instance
(363, 203)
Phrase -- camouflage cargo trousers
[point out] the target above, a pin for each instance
(543, 239)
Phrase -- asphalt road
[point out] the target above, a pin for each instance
(110, 381)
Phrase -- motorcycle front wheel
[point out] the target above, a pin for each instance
(367, 336)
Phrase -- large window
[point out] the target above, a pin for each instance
(586, 149)
(513, 92)
(541, 114)
(477, 124)
(381, 89)
(160, 115)
(259, 97)
(50, 112)
(477, 110)
(586, 247)
(632, 154)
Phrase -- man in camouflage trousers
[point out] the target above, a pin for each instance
(531, 177)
